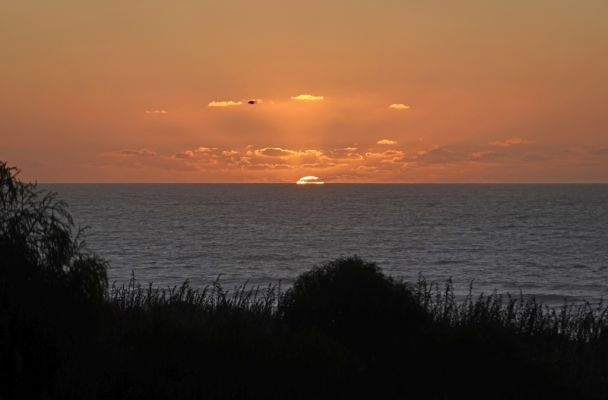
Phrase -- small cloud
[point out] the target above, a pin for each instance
(399, 106)
(267, 166)
(342, 155)
(138, 153)
(156, 112)
(386, 141)
(439, 155)
(185, 154)
(489, 155)
(224, 103)
(307, 97)
(202, 149)
(199, 152)
(394, 155)
(274, 152)
(509, 142)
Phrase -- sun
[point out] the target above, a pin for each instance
(309, 180)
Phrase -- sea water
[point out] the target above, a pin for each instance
(549, 241)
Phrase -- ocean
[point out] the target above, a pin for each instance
(548, 241)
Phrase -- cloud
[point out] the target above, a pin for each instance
(202, 156)
(503, 152)
(307, 97)
(386, 141)
(224, 103)
(332, 161)
(321, 165)
(509, 142)
(388, 156)
(279, 162)
(399, 106)
(141, 159)
(136, 153)
(295, 157)
(341, 155)
(156, 112)
(439, 155)
(487, 155)
(266, 166)
(379, 163)
(274, 152)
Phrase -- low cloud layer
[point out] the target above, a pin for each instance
(348, 163)
(509, 142)
(224, 103)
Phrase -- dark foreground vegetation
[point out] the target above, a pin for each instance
(344, 330)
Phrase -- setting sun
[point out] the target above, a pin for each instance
(309, 180)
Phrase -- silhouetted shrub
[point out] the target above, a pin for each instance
(375, 317)
(350, 297)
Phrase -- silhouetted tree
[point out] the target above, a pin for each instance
(37, 237)
(51, 289)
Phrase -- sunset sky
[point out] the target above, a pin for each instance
(349, 91)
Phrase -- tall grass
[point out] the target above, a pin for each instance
(211, 298)
(581, 322)
(514, 343)
(571, 339)
(578, 322)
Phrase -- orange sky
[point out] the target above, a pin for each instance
(132, 91)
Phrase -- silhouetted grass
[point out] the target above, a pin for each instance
(343, 330)
(571, 339)
(581, 322)
(213, 298)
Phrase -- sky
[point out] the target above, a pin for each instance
(349, 91)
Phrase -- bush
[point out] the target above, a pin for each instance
(350, 297)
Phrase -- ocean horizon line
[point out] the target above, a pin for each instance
(335, 183)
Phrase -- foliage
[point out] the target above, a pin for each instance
(37, 237)
(51, 288)
(337, 295)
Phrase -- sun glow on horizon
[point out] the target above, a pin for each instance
(309, 180)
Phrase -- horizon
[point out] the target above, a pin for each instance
(328, 183)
